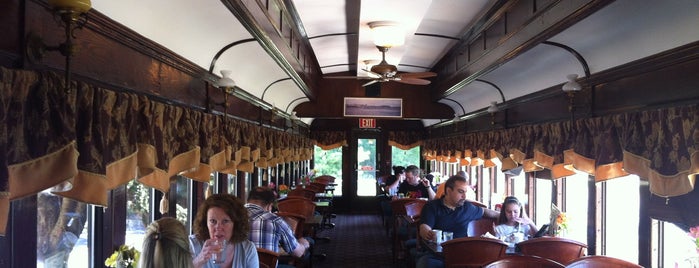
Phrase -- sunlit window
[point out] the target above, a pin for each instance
(620, 222)
(138, 213)
(329, 162)
(676, 245)
(576, 200)
(62, 232)
(542, 207)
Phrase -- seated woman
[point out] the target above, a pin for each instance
(513, 225)
(221, 227)
(166, 245)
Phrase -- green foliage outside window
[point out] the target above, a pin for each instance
(405, 157)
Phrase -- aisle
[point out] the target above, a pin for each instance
(356, 241)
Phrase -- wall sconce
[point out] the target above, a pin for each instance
(387, 33)
(72, 15)
(456, 118)
(227, 85)
(492, 109)
(570, 88)
(293, 116)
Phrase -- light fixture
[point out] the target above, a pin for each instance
(293, 116)
(72, 14)
(570, 88)
(571, 85)
(227, 85)
(456, 118)
(387, 33)
(493, 108)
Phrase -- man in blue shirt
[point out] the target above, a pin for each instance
(269, 231)
(450, 213)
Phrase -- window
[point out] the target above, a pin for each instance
(182, 207)
(543, 199)
(405, 158)
(329, 162)
(620, 222)
(138, 213)
(676, 245)
(576, 203)
(62, 232)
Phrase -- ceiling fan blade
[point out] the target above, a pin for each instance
(371, 82)
(372, 74)
(413, 81)
(348, 77)
(418, 75)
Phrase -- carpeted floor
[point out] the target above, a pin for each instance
(356, 241)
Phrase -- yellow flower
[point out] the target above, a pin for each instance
(128, 255)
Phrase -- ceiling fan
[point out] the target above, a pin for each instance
(384, 72)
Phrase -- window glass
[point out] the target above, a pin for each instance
(182, 209)
(621, 218)
(542, 208)
(485, 186)
(138, 213)
(366, 171)
(576, 200)
(329, 162)
(678, 247)
(405, 158)
(62, 232)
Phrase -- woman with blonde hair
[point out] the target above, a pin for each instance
(166, 245)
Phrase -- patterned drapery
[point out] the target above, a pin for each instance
(660, 146)
(85, 141)
(328, 140)
(405, 140)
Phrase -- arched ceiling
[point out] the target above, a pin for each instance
(618, 32)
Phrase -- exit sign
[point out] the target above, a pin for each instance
(367, 123)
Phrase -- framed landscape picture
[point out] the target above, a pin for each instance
(373, 107)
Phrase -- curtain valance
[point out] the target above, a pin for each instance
(658, 145)
(405, 140)
(328, 140)
(85, 141)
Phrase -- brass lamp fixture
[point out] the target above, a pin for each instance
(570, 88)
(72, 14)
(227, 85)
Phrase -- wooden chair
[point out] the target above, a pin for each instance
(472, 251)
(517, 261)
(302, 192)
(559, 249)
(316, 187)
(300, 206)
(601, 261)
(480, 227)
(325, 179)
(267, 258)
(397, 213)
(413, 210)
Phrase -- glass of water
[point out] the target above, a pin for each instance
(219, 257)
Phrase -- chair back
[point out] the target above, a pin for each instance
(316, 187)
(295, 222)
(480, 227)
(472, 251)
(398, 206)
(517, 261)
(601, 261)
(302, 192)
(414, 208)
(300, 206)
(325, 179)
(476, 203)
(267, 258)
(559, 249)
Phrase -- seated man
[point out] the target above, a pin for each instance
(414, 186)
(449, 213)
(269, 231)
